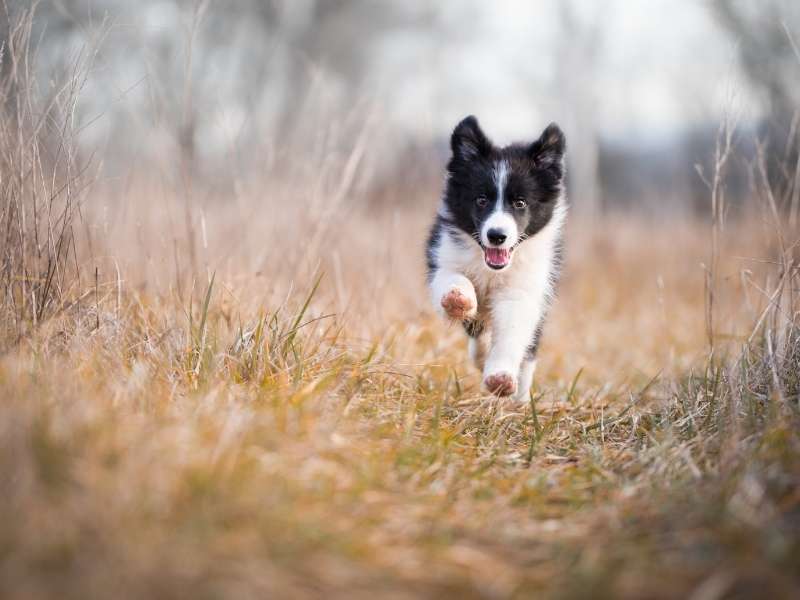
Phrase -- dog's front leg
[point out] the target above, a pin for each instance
(453, 295)
(514, 319)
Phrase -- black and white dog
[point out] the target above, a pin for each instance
(494, 251)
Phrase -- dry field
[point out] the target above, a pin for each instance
(248, 434)
(245, 394)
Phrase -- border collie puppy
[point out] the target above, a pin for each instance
(494, 251)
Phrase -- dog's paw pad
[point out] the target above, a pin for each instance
(458, 305)
(501, 384)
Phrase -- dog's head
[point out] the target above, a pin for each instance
(502, 196)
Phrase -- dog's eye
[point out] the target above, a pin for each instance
(481, 201)
(520, 203)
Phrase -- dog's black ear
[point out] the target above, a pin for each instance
(469, 141)
(547, 152)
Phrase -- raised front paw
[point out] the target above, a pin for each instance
(501, 384)
(459, 305)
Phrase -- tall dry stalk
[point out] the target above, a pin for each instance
(41, 182)
(722, 155)
(187, 133)
(777, 327)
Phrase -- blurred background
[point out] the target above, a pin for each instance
(220, 372)
(225, 89)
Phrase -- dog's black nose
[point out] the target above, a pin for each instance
(496, 236)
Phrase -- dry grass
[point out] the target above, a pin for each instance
(227, 412)
(263, 446)
(42, 180)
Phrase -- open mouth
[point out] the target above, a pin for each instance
(497, 258)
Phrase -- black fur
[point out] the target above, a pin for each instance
(434, 237)
(474, 327)
(533, 349)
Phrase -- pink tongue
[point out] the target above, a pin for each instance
(497, 257)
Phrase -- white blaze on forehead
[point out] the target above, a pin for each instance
(499, 218)
(500, 177)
